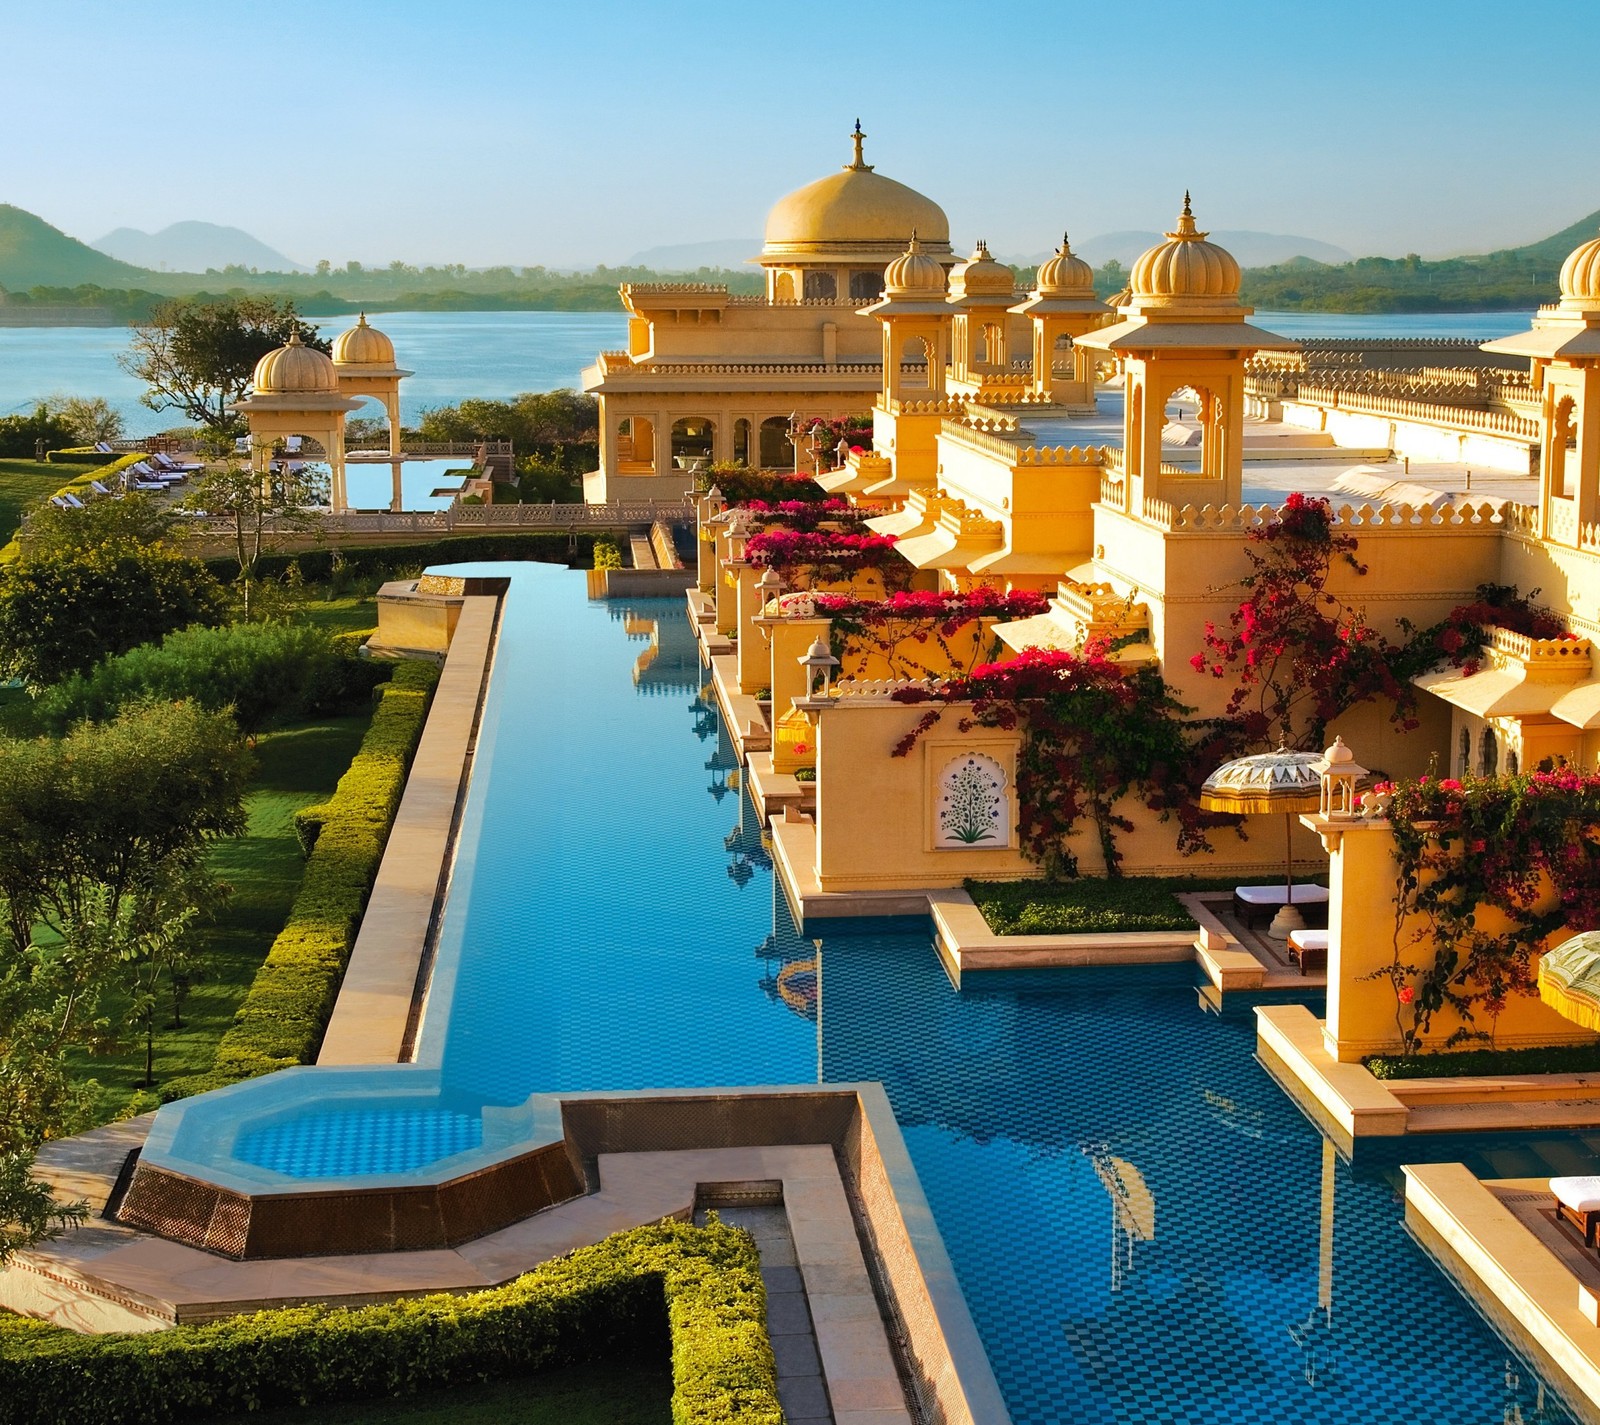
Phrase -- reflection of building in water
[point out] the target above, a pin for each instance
(1314, 1334)
(670, 663)
(747, 844)
(793, 974)
(707, 722)
(1133, 1209)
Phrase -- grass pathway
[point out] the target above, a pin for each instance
(23, 483)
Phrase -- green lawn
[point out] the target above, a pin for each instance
(1095, 905)
(298, 766)
(346, 613)
(23, 483)
(608, 1393)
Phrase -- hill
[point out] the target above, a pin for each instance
(1556, 247)
(1252, 249)
(194, 247)
(34, 254)
(691, 256)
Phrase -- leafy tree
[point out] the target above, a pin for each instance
(198, 356)
(113, 810)
(89, 418)
(63, 610)
(20, 435)
(253, 508)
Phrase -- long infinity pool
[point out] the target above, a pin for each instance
(1145, 1228)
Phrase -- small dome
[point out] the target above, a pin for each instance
(294, 368)
(913, 272)
(363, 346)
(1580, 273)
(852, 208)
(1065, 275)
(981, 276)
(1186, 265)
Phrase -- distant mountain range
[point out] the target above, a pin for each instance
(1252, 249)
(34, 254)
(194, 247)
(691, 256)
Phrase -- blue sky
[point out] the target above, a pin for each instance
(486, 131)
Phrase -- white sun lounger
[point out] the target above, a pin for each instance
(1252, 903)
(101, 489)
(1309, 949)
(179, 467)
(1578, 1202)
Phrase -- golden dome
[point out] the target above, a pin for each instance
(981, 276)
(1065, 275)
(853, 208)
(913, 272)
(1580, 273)
(1186, 265)
(294, 368)
(363, 346)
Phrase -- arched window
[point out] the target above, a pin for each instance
(776, 452)
(1464, 759)
(1489, 753)
(741, 441)
(820, 286)
(783, 288)
(866, 285)
(1512, 762)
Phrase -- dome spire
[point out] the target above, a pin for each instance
(859, 163)
(1187, 230)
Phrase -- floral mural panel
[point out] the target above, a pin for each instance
(970, 804)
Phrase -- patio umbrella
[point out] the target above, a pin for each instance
(1281, 781)
(1569, 979)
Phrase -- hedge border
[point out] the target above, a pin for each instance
(281, 1021)
(12, 549)
(357, 560)
(701, 1284)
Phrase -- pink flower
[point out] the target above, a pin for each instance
(1407, 994)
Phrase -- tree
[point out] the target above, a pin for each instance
(112, 811)
(89, 418)
(198, 356)
(237, 493)
(20, 435)
(63, 610)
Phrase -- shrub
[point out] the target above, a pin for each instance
(1541, 1059)
(282, 1018)
(259, 670)
(1092, 905)
(607, 552)
(700, 1286)
(61, 612)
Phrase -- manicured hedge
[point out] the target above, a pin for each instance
(1547, 1059)
(1093, 904)
(85, 455)
(286, 1010)
(699, 1286)
(317, 565)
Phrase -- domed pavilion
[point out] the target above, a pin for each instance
(1061, 307)
(1184, 327)
(1563, 347)
(708, 376)
(295, 392)
(833, 238)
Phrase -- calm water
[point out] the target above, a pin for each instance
(498, 354)
(1145, 1227)
(454, 355)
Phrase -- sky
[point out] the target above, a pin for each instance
(544, 131)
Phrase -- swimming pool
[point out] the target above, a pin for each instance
(1145, 1227)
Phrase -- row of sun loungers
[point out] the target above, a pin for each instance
(155, 473)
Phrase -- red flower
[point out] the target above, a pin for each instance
(1407, 994)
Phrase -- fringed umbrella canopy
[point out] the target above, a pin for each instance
(1282, 781)
(1569, 979)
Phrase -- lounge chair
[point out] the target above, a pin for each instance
(1253, 904)
(177, 467)
(103, 447)
(101, 489)
(144, 470)
(1578, 1202)
(69, 501)
(1309, 949)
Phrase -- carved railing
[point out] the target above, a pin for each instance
(432, 523)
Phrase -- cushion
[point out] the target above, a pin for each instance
(1304, 940)
(1580, 1194)
(1273, 895)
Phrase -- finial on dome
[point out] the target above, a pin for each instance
(361, 321)
(1186, 223)
(1066, 246)
(857, 137)
(983, 246)
(294, 339)
(914, 245)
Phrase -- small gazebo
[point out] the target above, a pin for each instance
(295, 392)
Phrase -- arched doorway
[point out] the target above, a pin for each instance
(636, 445)
(915, 365)
(776, 451)
(741, 441)
(864, 286)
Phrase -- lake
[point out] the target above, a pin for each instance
(498, 354)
